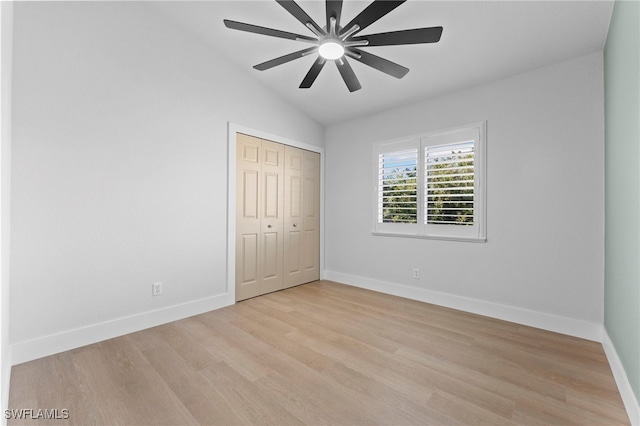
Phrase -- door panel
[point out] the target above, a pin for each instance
(272, 195)
(309, 241)
(295, 197)
(249, 252)
(294, 252)
(293, 220)
(250, 152)
(309, 198)
(272, 154)
(247, 217)
(250, 194)
(272, 262)
(311, 211)
(271, 219)
(270, 255)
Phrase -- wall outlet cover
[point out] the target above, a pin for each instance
(156, 289)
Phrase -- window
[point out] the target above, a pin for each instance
(432, 185)
(398, 187)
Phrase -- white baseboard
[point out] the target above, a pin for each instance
(626, 392)
(71, 339)
(572, 327)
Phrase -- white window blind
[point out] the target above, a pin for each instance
(398, 186)
(433, 186)
(450, 184)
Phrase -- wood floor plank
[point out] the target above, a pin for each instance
(462, 412)
(49, 383)
(326, 353)
(264, 332)
(191, 388)
(391, 372)
(195, 356)
(608, 406)
(253, 405)
(125, 388)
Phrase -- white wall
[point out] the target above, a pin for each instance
(120, 170)
(6, 43)
(543, 261)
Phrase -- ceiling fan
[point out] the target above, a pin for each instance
(335, 42)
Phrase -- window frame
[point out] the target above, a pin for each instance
(421, 229)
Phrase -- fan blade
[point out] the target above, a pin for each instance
(348, 75)
(264, 31)
(284, 59)
(334, 8)
(293, 8)
(372, 13)
(415, 36)
(381, 64)
(313, 73)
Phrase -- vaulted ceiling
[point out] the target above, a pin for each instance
(482, 41)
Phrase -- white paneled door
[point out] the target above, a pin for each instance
(278, 206)
(311, 212)
(293, 218)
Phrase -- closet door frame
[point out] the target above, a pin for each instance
(233, 130)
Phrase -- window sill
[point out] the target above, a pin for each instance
(431, 237)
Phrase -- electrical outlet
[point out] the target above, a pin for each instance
(416, 273)
(156, 289)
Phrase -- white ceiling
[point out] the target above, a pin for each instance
(482, 41)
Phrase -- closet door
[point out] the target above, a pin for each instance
(248, 229)
(311, 212)
(277, 216)
(271, 220)
(293, 217)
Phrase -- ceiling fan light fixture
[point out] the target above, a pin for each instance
(331, 50)
(334, 42)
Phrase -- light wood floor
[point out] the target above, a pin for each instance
(325, 353)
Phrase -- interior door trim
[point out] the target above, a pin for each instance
(233, 130)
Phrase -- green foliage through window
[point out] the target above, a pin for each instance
(398, 189)
(449, 192)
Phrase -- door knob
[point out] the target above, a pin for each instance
(268, 226)
(295, 225)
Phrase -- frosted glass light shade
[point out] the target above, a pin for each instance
(331, 50)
